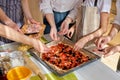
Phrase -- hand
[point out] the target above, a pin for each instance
(34, 24)
(81, 43)
(111, 50)
(53, 33)
(14, 26)
(32, 21)
(108, 50)
(65, 26)
(71, 32)
(39, 46)
(102, 41)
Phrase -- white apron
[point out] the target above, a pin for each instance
(87, 21)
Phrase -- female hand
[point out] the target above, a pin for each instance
(14, 26)
(111, 50)
(102, 41)
(71, 32)
(32, 21)
(39, 46)
(65, 26)
(81, 43)
(53, 33)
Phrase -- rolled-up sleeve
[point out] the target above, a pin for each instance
(73, 14)
(117, 18)
(45, 6)
(106, 6)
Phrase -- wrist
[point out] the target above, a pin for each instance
(69, 20)
(117, 48)
(33, 42)
(109, 38)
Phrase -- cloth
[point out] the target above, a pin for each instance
(102, 5)
(117, 18)
(13, 10)
(89, 17)
(48, 6)
(59, 18)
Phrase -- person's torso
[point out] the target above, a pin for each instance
(63, 5)
(13, 10)
(102, 5)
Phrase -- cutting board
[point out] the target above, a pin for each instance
(112, 61)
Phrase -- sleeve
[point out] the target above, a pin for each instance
(117, 17)
(74, 11)
(46, 7)
(105, 6)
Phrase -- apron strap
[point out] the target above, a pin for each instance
(95, 4)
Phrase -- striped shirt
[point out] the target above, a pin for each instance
(13, 10)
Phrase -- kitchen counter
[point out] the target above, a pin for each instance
(93, 71)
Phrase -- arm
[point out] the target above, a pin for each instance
(27, 12)
(11, 34)
(70, 18)
(103, 27)
(103, 40)
(114, 31)
(51, 21)
(6, 20)
(46, 8)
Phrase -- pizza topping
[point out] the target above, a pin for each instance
(64, 57)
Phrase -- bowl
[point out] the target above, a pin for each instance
(19, 73)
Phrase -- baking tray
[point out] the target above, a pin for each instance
(35, 54)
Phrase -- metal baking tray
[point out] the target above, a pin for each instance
(35, 54)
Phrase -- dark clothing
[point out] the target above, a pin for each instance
(13, 10)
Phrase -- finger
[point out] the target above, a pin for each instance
(61, 28)
(97, 51)
(51, 35)
(34, 22)
(55, 37)
(69, 34)
(98, 43)
(20, 31)
(108, 54)
(76, 47)
(60, 33)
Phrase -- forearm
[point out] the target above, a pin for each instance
(114, 30)
(103, 27)
(104, 18)
(26, 9)
(4, 18)
(11, 34)
(50, 19)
